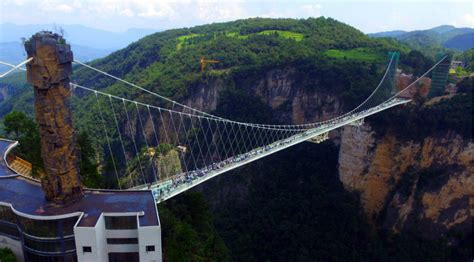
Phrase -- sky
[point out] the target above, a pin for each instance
(119, 15)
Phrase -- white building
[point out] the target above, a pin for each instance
(102, 226)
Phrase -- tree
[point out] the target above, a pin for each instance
(22, 128)
(88, 165)
(18, 124)
(6, 255)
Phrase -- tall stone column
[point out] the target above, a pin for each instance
(49, 74)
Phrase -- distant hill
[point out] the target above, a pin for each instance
(460, 42)
(393, 33)
(168, 62)
(76, 34)
(14, 52)
(87, 43)
(444, 36)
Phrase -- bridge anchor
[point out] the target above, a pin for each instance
(320, 138)
(357, 123)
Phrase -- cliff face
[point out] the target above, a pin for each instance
(277, 89)
(410, 185)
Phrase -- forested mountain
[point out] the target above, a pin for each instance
(292, 205)
(460, 42)
(168, 62)
(444, 36)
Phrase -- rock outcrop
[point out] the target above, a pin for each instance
(277, 89)
(49, 74)
(168, 164)
(422, 88)
(410, 185)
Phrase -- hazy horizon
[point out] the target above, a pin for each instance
(163, 29)
(120, 16)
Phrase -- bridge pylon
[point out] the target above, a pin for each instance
(439, 76)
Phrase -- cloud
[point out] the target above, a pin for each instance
(466, 20)
(219, 11)
(153, 8)
(311, 10)
(294, 11)
(64, 8)
(127, 12)
(54, 6)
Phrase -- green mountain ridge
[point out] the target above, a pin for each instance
(157, 63)
(326, 56)
(444, 36)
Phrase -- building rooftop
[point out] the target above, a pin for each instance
(26, 196)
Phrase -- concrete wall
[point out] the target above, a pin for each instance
(150, 236)
(96, 238)
(93, 237)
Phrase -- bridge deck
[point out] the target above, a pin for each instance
(168, 188)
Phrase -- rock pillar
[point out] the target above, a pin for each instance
(49, 74)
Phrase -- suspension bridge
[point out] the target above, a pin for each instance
(169, 147)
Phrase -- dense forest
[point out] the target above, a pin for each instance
(293, 205)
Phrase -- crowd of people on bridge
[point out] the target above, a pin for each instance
(184, 180)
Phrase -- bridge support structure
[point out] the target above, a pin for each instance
(357, 123)
(320, 138)
(439, 77)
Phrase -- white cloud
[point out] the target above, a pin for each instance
(64, 8)
(297, 11)
(219, 11)
(127, 12)
(154, 9)
(55, 6)
(311, 10)
(118, 15)
(466, 20)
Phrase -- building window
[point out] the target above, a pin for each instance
(48, 228)
(87, 249)
(121, 222)
(122, 241)
(150, 248)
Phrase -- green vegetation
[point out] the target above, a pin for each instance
(436, 40)
(164, 148)
(285, 34)
(88, 165)
(188, 231)
(289, 205)
(237, 35)
(415, 62)
(183, 39)
(468, 58)
(155, 63)
(419, 121)
(360, 54)
(466, 85)
(280, 33)
(6, 255)
(292, 205)
(23, 129)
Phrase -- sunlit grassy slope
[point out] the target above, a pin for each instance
(359, 54)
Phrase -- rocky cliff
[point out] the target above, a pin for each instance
(410, 185)
(49, 73)
(277, 88)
